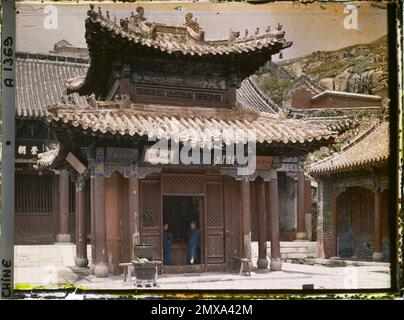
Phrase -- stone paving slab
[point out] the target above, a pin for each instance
(53, 265)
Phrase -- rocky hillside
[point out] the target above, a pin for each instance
(359, 68)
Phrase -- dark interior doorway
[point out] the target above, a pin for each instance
(345, 237)
(178, 213)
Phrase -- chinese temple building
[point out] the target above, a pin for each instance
(150, 144)
(41, 82)
(353, 193)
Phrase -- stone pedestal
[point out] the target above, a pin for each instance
(63, 238)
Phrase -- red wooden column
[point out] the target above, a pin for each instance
(92, 215)
(134, 212)
(273, 196)
(101, 266)
(262, 262)
(378, 254)
(245, 205)
(63, 235)
(301, 233)
(81, 229)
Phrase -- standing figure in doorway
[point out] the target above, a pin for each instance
(194, 240)
(166, 245)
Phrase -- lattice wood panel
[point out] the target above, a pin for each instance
(215, 223)
(150, 204)
(190, 184)
(33, 194)
(214, 203)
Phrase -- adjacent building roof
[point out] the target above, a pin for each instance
(370, 149)
(41, 82)
(304, 81)
(251, 97)
(204, 127)
(349, 95)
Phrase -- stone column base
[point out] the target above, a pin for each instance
(301, 236)
(92, 268)
(63, 237)
(377, 256)
(101, 270)
(262, 263)
(276, 265)
(81, 262)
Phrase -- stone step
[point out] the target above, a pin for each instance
(290, 249)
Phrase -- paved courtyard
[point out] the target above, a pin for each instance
(53, 265)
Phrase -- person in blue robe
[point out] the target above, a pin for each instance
(194, 240)
(166, 245)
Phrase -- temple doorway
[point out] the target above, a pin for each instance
(345, 236)
(182, 234)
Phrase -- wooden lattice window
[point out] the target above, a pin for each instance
(33, 193)
(150, 204)
(215, 222)
(190, 184)
(214, 200)
(367, 210)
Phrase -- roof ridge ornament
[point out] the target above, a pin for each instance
(136, 19)
(193, 24)
(233, 35)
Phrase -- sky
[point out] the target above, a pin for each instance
(311, 27)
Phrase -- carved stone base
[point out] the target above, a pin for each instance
(377, 256)
(92, 268)
(262, 263)
(301, 236)
(101, 270)
(81, 262)
(63, 238)
(276, 265)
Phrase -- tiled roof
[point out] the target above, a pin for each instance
(251, 97)
(369, 149)
(187, 39)
(338, 124)
(304, 81)
(41, 81)
(194, 126)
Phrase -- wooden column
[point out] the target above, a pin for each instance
(81, 259)
(245, 206)
(273, 196)
(378, 254)
(63, 235)
(262, 262)
(92, 215)
(301, 233)
(101, 267)
(134, 212)
(334, 221)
